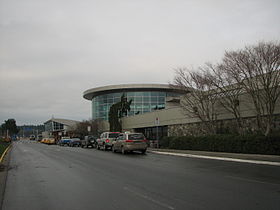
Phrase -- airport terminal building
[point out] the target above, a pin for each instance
(145, 98)
(158, 110)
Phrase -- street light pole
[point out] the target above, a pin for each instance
(157, 123)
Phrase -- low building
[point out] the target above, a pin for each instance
(59, 127)
(158, 111)
(175, 121)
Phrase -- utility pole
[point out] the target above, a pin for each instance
(157, 124)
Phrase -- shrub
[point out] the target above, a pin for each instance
(250, 143)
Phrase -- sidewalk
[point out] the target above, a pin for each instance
(236, 157)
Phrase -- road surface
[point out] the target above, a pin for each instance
(43, 177)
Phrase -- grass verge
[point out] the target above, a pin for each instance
(3, 146)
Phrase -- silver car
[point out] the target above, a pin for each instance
(128, 142)
(106, 139)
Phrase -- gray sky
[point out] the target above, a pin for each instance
(52, 51)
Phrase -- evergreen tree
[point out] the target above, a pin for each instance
(117, 111)
(10, 127)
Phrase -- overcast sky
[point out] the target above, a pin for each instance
(51, 51)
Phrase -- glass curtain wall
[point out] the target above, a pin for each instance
(48, 126)
(57, 126)
(142, 102)
(53, 126)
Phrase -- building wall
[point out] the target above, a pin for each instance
(223, 126)
(181, 123)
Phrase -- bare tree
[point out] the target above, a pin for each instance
(199, 101)
(81, 129)
(227, 90)
(257, 69)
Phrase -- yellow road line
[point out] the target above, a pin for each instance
(4, 153)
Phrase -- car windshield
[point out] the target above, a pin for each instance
(113, 135)
(136, 136)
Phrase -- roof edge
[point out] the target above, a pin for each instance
(90, 93)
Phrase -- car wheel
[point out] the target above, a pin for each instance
(123, 151)
(143, 151)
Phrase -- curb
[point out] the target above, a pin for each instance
(219, 158)
(4, 153)
(4, 174)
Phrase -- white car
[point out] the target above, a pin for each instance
(106, 139)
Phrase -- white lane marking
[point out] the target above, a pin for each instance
(149, 199)
(220, 158)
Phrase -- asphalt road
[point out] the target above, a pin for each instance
(53, 177)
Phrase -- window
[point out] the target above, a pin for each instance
(142, 101)
(138, 93)
(121, 137)
(153, 99)
(146, 99)
(161, 100)
(113, 135)
(136, 136)
(138, 99)
(148, 94)
(130, 94)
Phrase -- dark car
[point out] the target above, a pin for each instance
(89, 141)
(64, 141)
(75, 142)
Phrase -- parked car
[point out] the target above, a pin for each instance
(43, 140)
(32, 137)
(128, 142)
(48, 141)
(106, 139)
(39, 137)
(89, 141)
(64, 141)
(75, 142)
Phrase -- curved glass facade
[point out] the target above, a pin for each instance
(144, 101)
